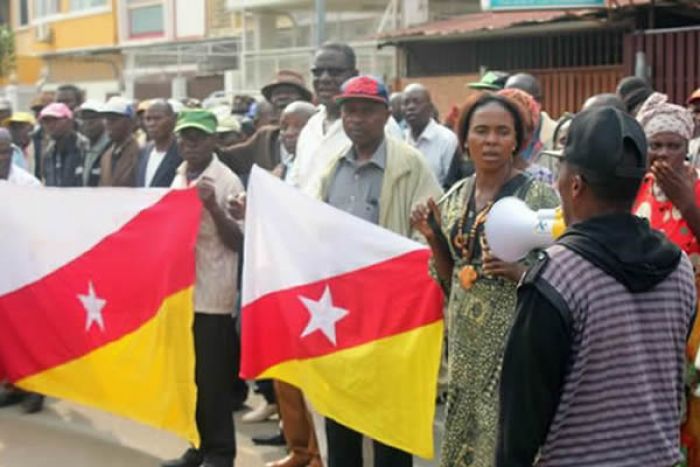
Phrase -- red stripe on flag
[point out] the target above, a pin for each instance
(134, 269)
(382, 300)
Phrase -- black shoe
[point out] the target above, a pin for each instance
(274, 440)
(11, 396)
(32, 403)
(191, 458)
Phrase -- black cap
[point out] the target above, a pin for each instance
(595, 144)
(633, 91)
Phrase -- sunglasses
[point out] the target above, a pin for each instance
(332, 71)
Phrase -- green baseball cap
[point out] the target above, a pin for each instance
(196, 118)
(491, 81)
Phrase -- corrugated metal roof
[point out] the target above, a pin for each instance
(482, 22)
(493, 21)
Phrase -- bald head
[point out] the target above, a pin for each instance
(417, 107)
(163, 106)
(525, 82)
(159, 120)
(5, 135)
(396, 105)
(604, 100)
(300, 108)
(292, 121)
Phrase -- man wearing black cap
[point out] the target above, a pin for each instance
(593, 367)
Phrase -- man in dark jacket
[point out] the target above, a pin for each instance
(118, 164)
(160, 158)
(92, 126)
(62, 159)
(265, 147)
(593, 367)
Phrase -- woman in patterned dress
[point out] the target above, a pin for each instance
(670, 199)
(479, 287)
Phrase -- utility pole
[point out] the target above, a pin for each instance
(320, 6)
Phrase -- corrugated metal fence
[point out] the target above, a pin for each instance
(566, 89)
(673, 56)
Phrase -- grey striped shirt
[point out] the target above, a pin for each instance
(621, 399)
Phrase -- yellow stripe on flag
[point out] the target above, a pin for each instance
(147, 375)
(355, 394)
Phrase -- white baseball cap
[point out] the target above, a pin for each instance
(118, 105)
(91, 105)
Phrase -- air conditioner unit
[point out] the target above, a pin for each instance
(43, 33)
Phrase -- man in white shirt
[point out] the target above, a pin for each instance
(12, 173)
(437, 143)
(9, 171)
(218, 245)
(159, 159)
(323, 137)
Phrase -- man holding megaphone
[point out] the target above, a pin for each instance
(593, 368)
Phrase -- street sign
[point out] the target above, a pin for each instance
(496, 5)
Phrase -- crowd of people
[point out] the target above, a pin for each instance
(584, 354)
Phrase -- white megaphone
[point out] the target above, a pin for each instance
(513, 229)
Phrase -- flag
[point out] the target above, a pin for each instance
(343, 309)
(96, 301)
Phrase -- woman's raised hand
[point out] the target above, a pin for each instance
(423, 216)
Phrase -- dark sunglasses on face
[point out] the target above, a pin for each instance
(332, 71)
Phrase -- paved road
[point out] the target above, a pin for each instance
(69, 435)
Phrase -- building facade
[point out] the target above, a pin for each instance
(60, 41)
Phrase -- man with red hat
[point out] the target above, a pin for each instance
(694, 146)
(379, 179)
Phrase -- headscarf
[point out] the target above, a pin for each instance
(531, 111)
(657, 115)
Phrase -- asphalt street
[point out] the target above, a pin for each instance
(67, 434)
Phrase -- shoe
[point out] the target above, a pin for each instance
(10, 396)
(262, 413)
(32, 403)
(274, 440)
(191, 458)
(294, 459)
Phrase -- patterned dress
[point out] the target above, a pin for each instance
(478, 321)
(653, 205)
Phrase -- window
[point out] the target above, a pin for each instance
(145, 18)
(23, 10)
(46, 8)
(77, 5)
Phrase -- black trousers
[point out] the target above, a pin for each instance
(265, 388)
(345, 449)
(217, 361)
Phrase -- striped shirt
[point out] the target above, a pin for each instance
(621, 398)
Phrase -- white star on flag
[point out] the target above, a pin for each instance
(323, 315)
(93, 307)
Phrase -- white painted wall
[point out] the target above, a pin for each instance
(190, 17)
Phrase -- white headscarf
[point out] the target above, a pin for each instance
(657, 115)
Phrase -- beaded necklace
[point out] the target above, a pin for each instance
(465, 244)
